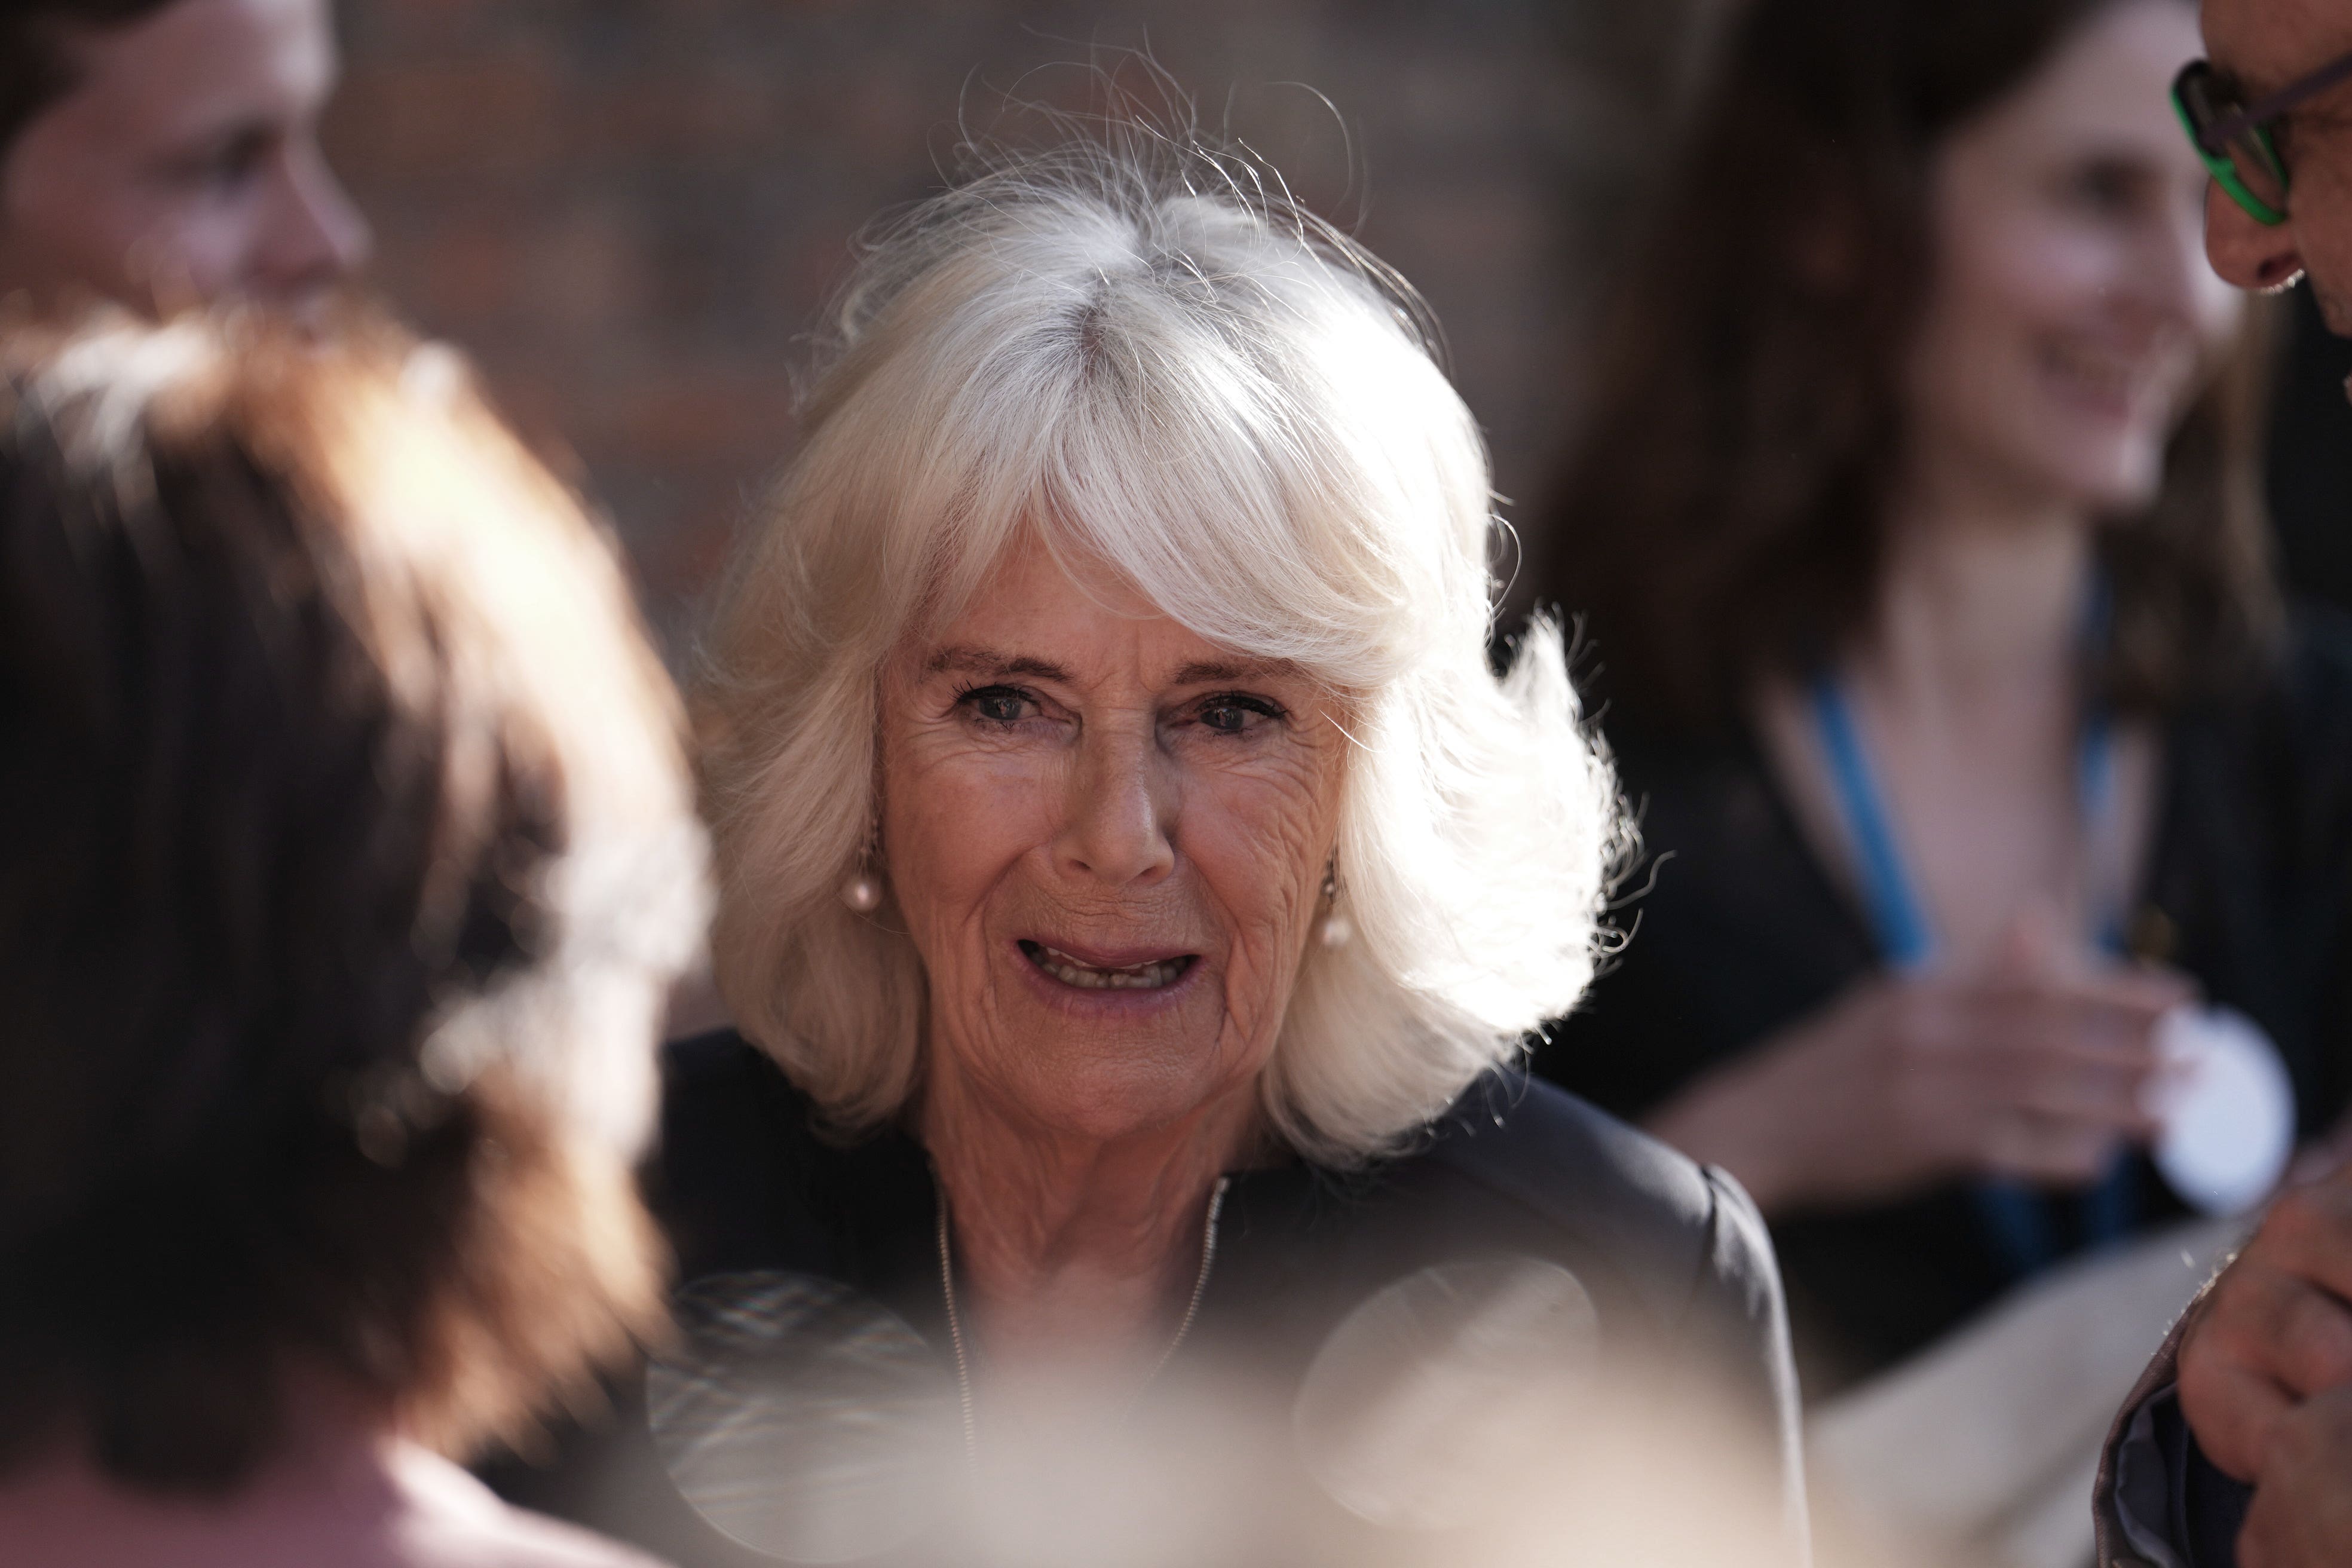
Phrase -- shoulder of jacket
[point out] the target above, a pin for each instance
(1574, 1166)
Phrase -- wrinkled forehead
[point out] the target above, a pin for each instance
(1050, 608)
(1041, 585)
(1202, 548)
(1025, 559)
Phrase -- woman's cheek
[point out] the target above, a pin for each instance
(2053, 277)
(953, 824)
(1261, 845)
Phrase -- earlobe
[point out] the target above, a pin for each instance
(1335, 930)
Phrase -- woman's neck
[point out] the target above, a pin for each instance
(1966, 683)
(1064, 1241)
(1979, 603)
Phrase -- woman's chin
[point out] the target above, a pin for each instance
(1119, 1077)
(2092, 480)
(2122, 491)
(1111, 1101)
(2100, 462)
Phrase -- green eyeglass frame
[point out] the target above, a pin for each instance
(2233, 136)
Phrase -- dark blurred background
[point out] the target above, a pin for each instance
(2311, 459)
(632, 212)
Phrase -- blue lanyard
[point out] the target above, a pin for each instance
(1897, 919)
(2016, 1215)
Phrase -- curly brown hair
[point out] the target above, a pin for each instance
(314, 691)
(1720, 515)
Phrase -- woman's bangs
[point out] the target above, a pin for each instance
(1263, 509)
(1229, 532)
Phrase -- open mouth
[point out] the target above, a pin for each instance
(2107, 378)
(1147, 976)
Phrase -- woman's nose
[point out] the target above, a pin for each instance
(2249, 254)
(316, 236)
(1119, 823)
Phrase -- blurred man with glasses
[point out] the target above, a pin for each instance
(2270, 112)
(165, 153)
(2236, 1449)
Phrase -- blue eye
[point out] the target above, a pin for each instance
(998, 704)
(1236, 713)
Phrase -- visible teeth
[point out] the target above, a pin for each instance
(1136, 977)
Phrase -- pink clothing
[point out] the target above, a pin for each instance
(350, 1500)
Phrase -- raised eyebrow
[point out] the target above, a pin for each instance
(988, 661)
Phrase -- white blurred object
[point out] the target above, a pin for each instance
(2227, 1109)
(801, 1419)
(1989, 1436)
(1413, 1410)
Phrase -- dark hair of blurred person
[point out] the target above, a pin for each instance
(1922, 453)
(163, 153)
(348, 852)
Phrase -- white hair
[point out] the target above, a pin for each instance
(1159, 367)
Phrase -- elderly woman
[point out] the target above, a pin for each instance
(1136, 884)
(350, 852)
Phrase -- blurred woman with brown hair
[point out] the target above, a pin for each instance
(349, 854)
(1916, 519)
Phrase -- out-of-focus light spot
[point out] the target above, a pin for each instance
(1421, 1406)
(803, 1419)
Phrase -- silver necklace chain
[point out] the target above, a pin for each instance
(955, 1320)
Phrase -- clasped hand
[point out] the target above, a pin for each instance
(2038, 1068)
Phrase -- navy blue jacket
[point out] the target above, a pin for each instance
(1673, 1258)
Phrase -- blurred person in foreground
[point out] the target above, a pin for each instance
(163, 153)
(1916, 516)
(349, 851)
(2237, 1444)
(1131, 871)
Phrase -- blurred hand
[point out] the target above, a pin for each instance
(2302, 1512)
(2036, 1069)
(2273, 1330)
(2323, 1156)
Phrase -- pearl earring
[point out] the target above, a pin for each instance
(862, 893)
(1337, 930)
